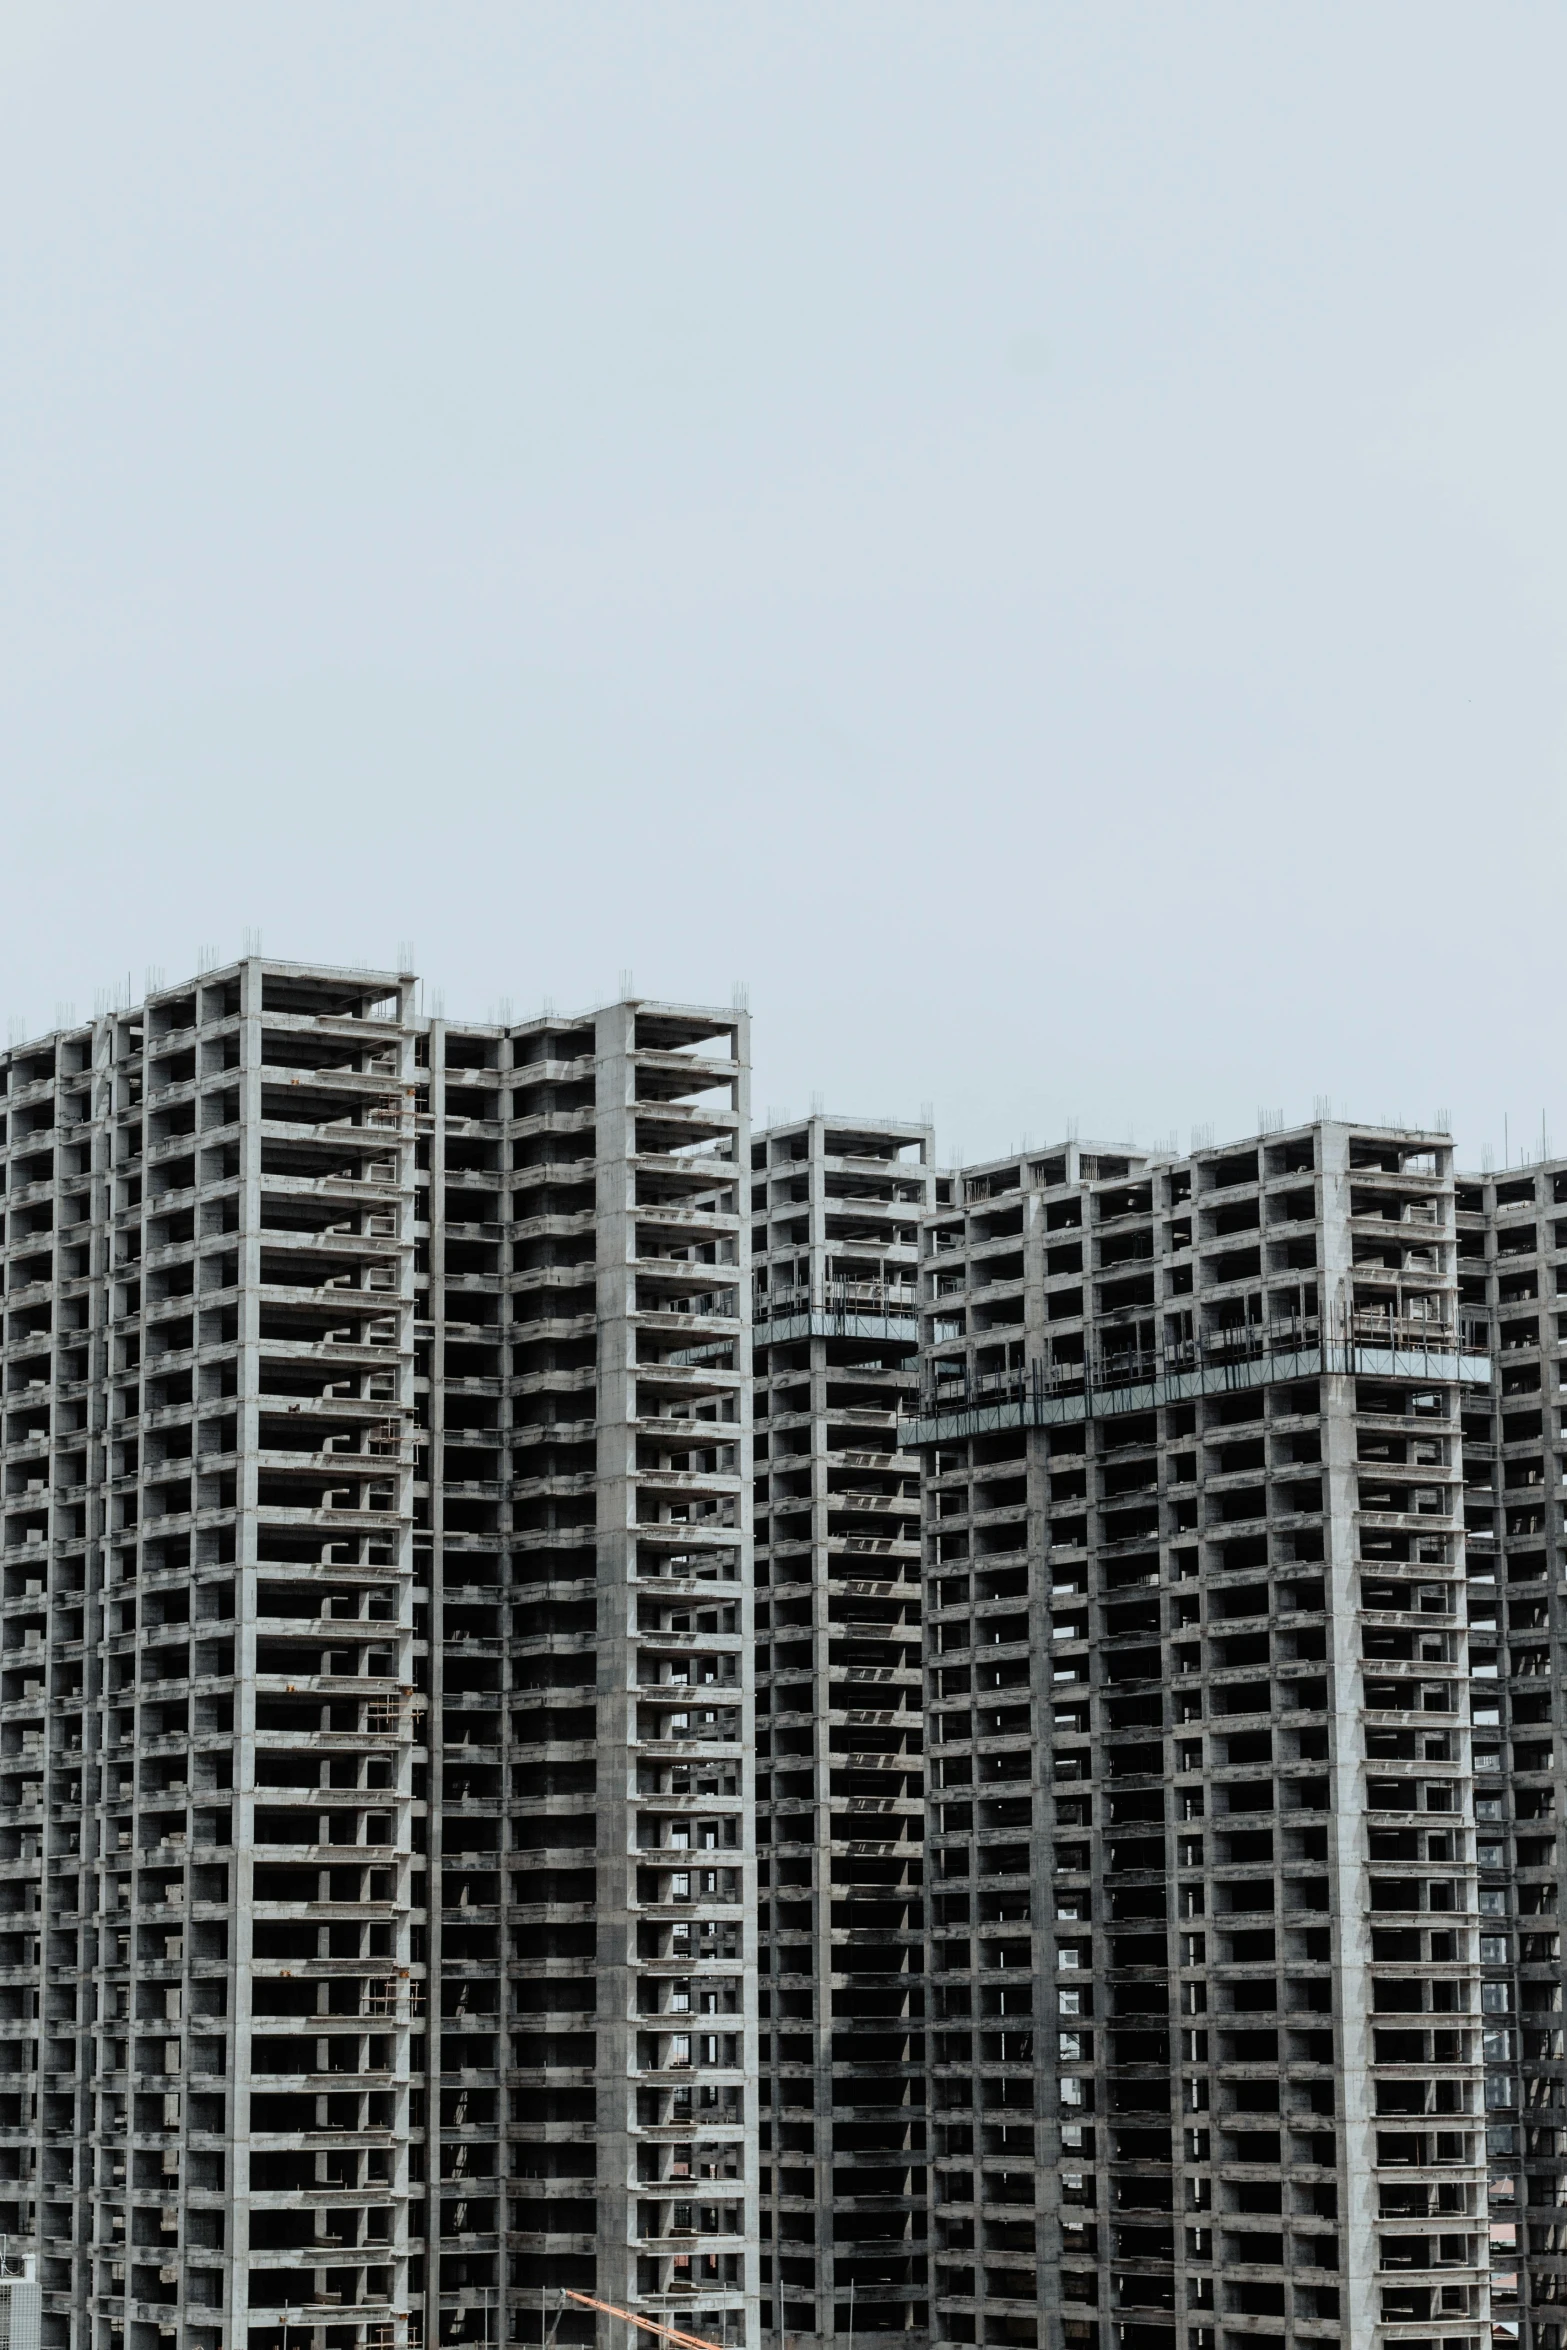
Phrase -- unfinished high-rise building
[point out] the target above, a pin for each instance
(1206, 1950)
(376, 1901)
(1153, 1681)
(836, 1206)
(1512, 1251)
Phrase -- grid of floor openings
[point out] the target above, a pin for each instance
(1076, 1868)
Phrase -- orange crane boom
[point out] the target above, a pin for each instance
(665, 2333)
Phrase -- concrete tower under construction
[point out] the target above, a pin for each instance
(376, 1895)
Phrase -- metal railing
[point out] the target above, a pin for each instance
(956, 1386)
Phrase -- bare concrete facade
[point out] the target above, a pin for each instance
(1512, 1242)
(836, 1207)
(375, 1736)
(1159, 1894)
(208, 1467)
(1204, 1924)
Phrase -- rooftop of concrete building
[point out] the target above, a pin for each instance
(1076, 1159)
(888, 1142)
(358, 991)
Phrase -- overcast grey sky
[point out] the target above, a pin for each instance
(1034, 535)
